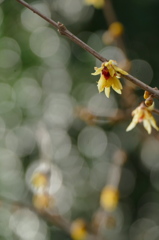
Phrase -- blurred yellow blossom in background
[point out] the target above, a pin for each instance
(109, 198)
(43, 201)
(116, 29)
(39, 180)
(78, 229)
(95, 3)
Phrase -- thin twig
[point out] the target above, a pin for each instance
(54, 218)
(90, 118)
(155, 111)
(111, 17)
(63, 31)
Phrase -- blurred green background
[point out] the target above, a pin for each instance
(43, 78)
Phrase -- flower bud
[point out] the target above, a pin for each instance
(146, 94)
(109, 198)
(149, 101)
(42, 201)
(39, 180)
(116, 29)
(78, 229)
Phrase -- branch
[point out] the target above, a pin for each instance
(50, 216)
(155, 111)
(90, 118)
(53, 218)
(63, 31)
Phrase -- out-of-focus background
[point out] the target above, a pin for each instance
(45, 83)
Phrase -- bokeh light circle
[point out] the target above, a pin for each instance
(92, 141)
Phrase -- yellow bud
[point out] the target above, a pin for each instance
(39, 179)
(78, 230)
(42, 201)
(116, 29)
(146, 94)
(95, 3)
(109, 198)
(149, 102)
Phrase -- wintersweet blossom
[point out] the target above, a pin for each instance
(43, 201)
(109, 198)
(143, 114)
(109, 74)
(39, 180)
(95, 3)
(78, 230)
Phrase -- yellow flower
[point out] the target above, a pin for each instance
(143, 114)
(116, 29)
(109, 74)
(39, 180)
(95, 3)
(147, 94)
(109, 198)
(43, 201)
(78, 230)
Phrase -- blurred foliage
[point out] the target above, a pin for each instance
(43, 78)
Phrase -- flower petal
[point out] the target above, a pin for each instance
(153, 123)
(107, 91)
(117, 90)
(147, 125)
(117, 69)
(116, 83)
(101, 83)
(97, 71)
(131, 126)
(111, 70)
(150, 108)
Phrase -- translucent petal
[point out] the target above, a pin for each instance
(131, 126)
(147, 125)
(137, 118)
(117, 90)
(153, 123)
(107, 91)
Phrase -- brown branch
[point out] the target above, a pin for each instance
(53, 218)
(155, 111)
(63, 31)
(50, 216)
(90, 118)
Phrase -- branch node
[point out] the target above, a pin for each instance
(61, 28)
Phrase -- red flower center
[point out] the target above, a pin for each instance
(106, 73)
(141, 118)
